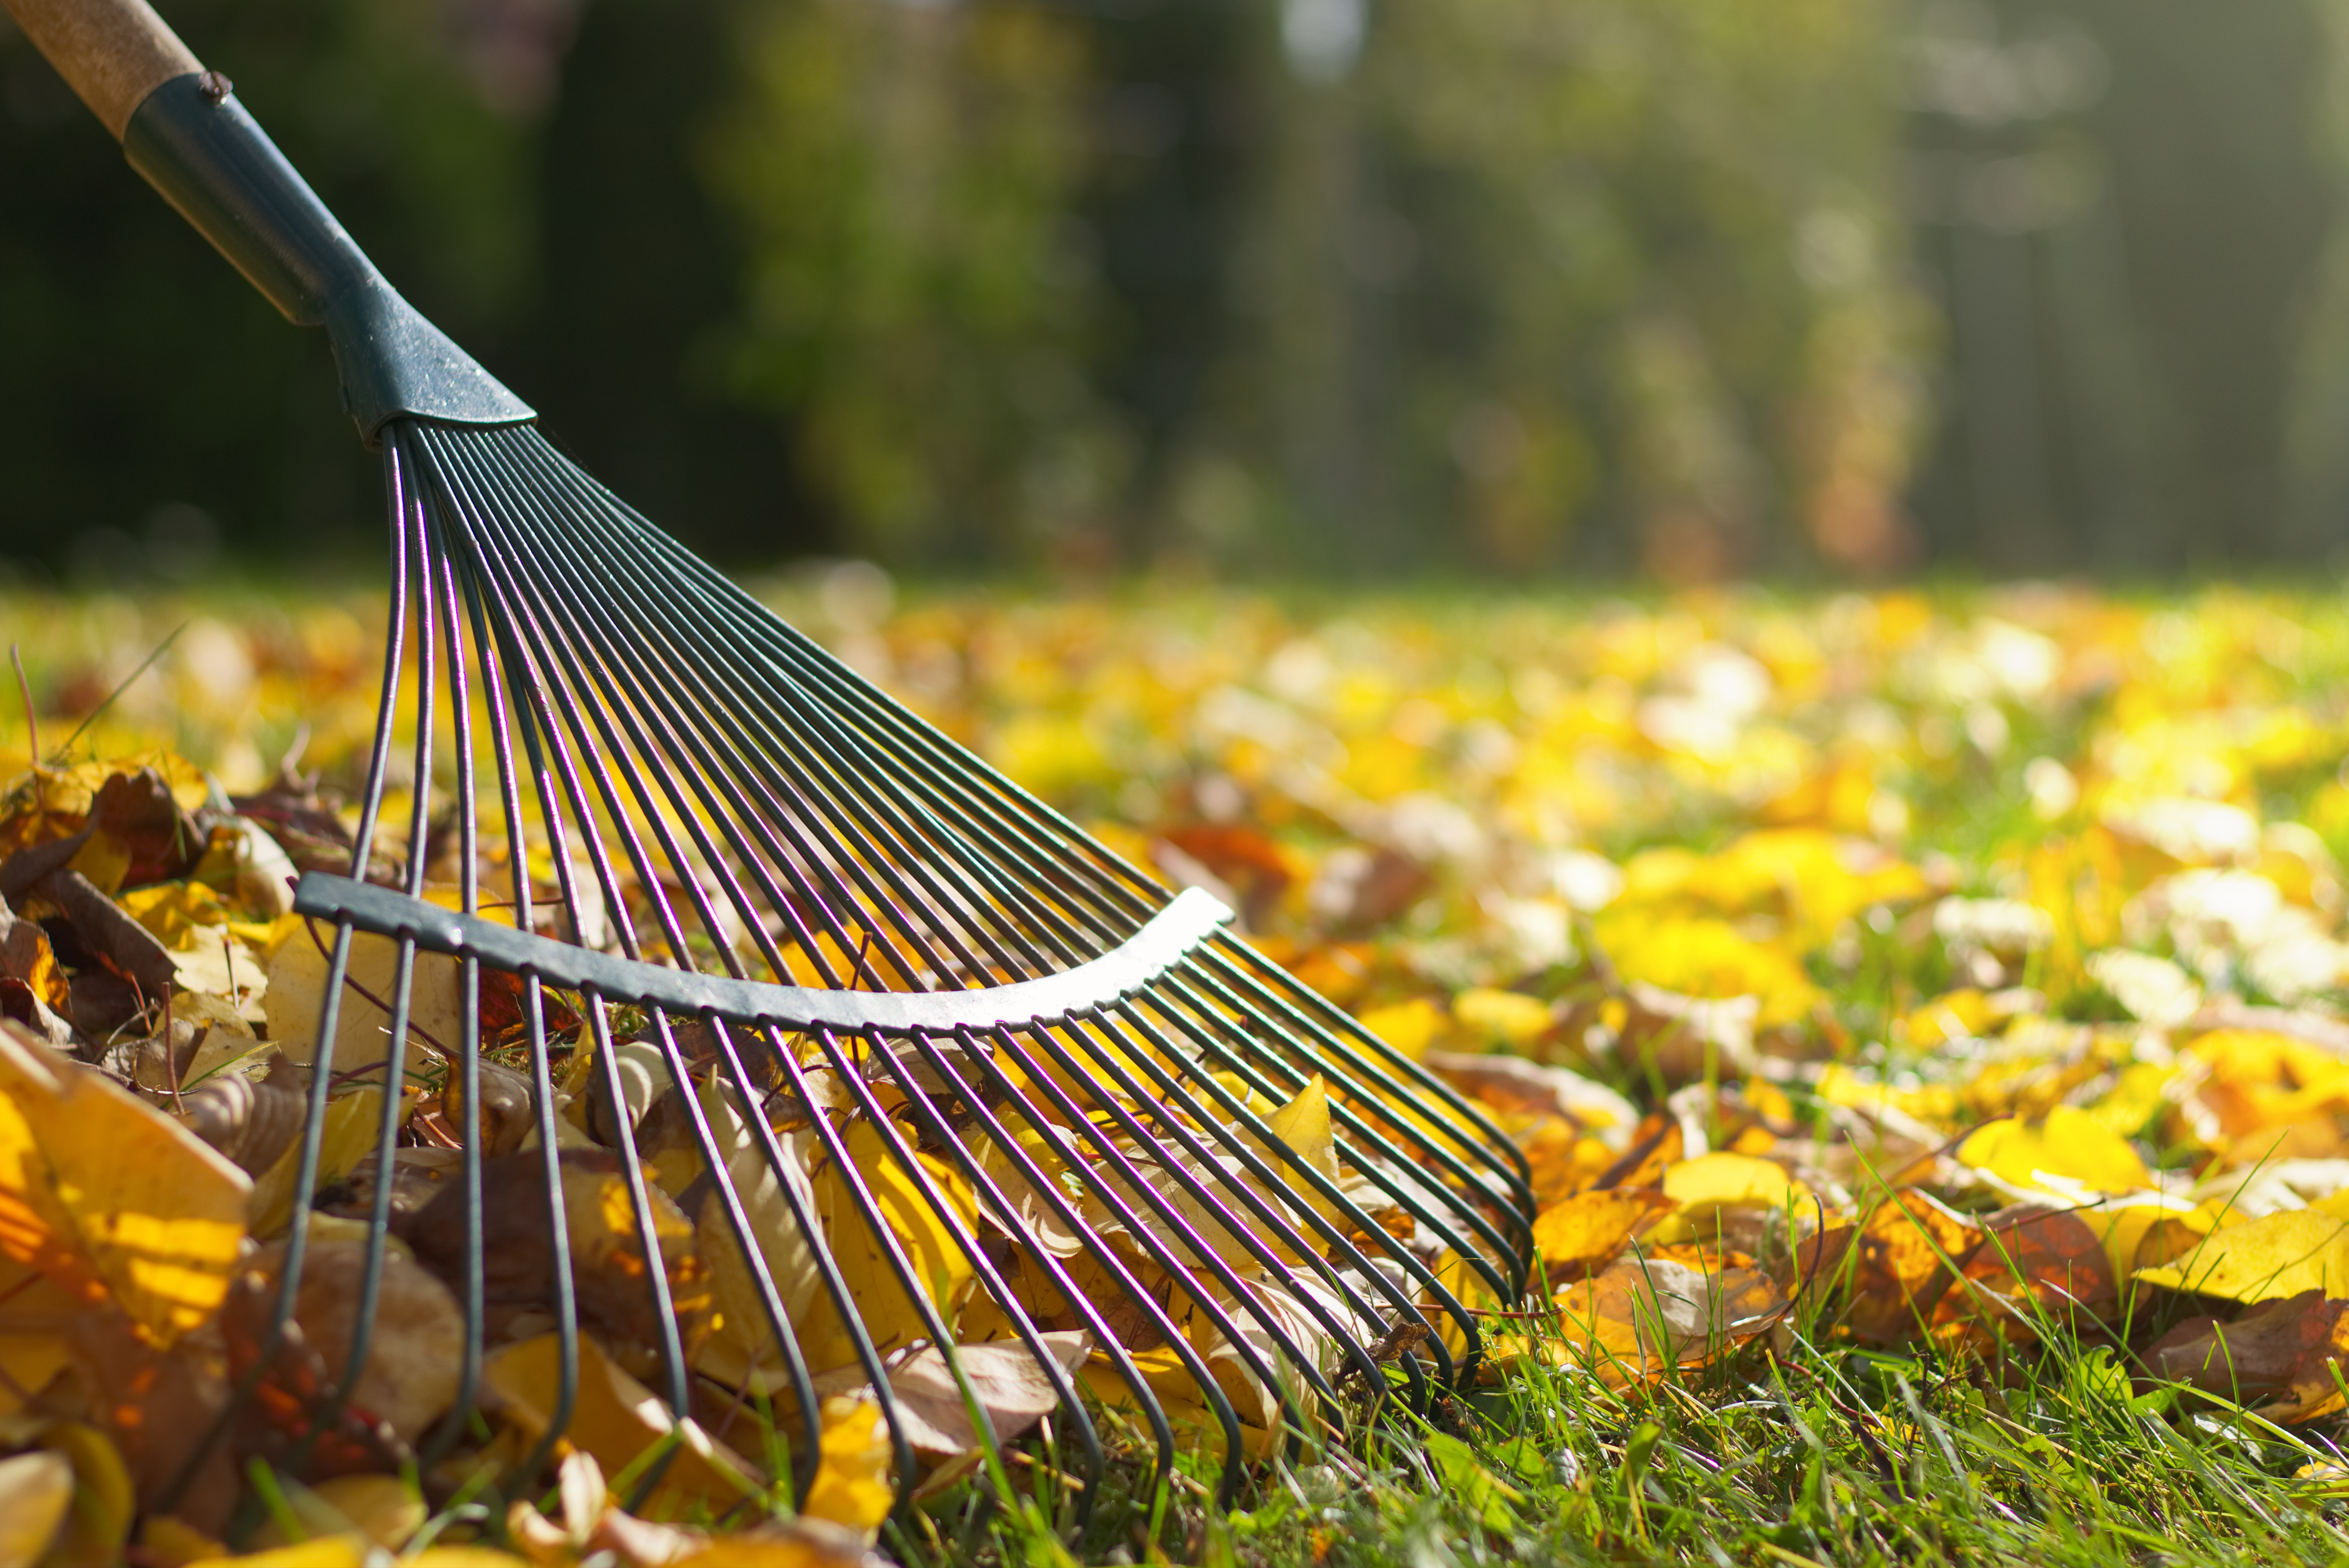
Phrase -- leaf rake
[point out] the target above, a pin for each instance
(757, 919)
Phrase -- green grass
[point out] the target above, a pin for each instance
(1793, 1455)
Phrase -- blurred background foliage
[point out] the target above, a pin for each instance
(1338, 287)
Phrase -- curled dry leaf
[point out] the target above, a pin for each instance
(111, 935)
(507, 1114)
(417, 1347)
(608, 1270)
(253, 1121)
(2282, 1357)
(1645, 1316)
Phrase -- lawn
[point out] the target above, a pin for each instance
(1925, 1015)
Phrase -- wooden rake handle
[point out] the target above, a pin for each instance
(113, 52)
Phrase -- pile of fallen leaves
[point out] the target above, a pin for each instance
(1966, 977)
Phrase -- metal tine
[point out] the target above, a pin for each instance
(417, 543)
(632, 1172)
(1041, 1181)
(1135, 1025)
(1437, 1087)
(937, 1128)
(890, 844)
(1106, 1055)
(983, 1266)
(1056, 1138)
(800, 714)
(932, 844)
(750, 814)
(792, 648)
(1210, 1036)
(651, 702)
(496, 704)
(1330, 1028)
(539, 686)
(468, 1065)
(562, 767)
(1349, 1115)
(739, 1221)
(314, 1123)
(1113, 1195)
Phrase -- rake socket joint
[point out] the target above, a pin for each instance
(196, 145)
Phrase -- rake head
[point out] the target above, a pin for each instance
(928, 1073)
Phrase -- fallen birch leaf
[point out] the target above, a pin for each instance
(2264, 1260)
(111, 1199)
(616, 1419)
(852, 1480)
(36, 1491)
(2071, 1147)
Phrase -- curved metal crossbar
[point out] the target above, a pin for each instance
(1164, 939)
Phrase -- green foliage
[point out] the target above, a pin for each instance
(902, 173)
(1597, 267)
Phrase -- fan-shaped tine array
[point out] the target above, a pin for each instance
(1198, 1197)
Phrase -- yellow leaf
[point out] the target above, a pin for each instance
(1706, 958)
(1410, 1027)
(172, 1542)
(1303, 1128)
(938, 1263)
(382, 1511)
(109, 1197)
(615, 1420)
(1502, 1017)
(326, 1552)
(2264, 1260)
(294, 1001)
(1710, 1183)
(1587, 1230)
(33, 1312)
(103, 1504)
(851, 1478)
(2071, 1150)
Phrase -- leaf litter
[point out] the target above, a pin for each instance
(1953, 980)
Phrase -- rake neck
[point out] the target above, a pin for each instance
(197, 145)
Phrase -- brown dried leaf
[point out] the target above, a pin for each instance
(607, 1253)
(1891, 1268)
(2035, 1267)
(2279, 1356)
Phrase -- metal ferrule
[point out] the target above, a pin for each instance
(196, 145)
